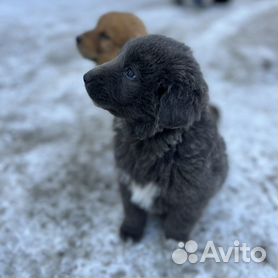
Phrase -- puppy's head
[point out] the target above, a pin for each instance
(154, 83)
(113, 30)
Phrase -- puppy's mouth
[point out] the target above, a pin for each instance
(102, 102)
(106, 106)
(86, 55)
(99, 98)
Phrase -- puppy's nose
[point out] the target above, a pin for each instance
(88, 76)
(78, 39)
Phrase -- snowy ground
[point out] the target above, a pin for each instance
(60, 209)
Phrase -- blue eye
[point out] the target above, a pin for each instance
(129, 74)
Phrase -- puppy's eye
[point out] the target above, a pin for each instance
(103, 36)
(129, 73)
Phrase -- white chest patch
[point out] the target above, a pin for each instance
(144, 196)
(141, 195)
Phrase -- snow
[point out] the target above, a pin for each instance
(60, 209)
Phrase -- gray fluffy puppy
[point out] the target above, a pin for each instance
(170, 157)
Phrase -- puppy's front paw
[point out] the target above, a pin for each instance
(130, 232)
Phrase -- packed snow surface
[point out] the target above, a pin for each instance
(60, 209)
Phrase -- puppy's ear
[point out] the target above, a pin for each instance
(182, 104)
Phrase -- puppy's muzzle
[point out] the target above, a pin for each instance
(98, 71)
(93, 80)
(90, 80)
(97, 80)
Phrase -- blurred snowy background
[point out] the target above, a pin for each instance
(59, 205)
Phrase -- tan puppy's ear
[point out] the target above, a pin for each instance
(136, 28)
(123, 27)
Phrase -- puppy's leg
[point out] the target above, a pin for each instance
(135, 217)
(179, 222)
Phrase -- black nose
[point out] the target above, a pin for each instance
(78, 39)
(95, 73)
(87, 76)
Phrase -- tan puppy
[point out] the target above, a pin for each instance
(113, 30)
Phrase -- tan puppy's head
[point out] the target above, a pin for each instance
(113, 30)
